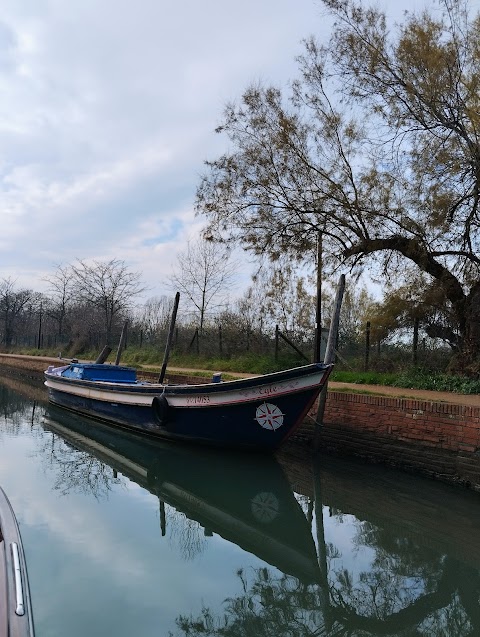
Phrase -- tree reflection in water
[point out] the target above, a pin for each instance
(187, 534)
(78, 471)
(379, 604)
(409, 590)
(14, 412)
(270, 605)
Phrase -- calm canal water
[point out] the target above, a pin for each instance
(132, 538)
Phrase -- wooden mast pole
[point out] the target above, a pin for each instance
(121, 343)
(329, 357)
(170, 338)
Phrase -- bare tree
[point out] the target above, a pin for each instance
(106, 286)
(13, 302)
(60, 295)
(204, 274)
(155, 315)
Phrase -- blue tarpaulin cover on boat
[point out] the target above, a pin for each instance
(101, 372)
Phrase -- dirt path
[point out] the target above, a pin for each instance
(471, 400)
(40, 363)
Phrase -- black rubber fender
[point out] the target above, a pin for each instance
(161, 409)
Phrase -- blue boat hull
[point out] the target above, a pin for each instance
(258, 413)
(216, 425)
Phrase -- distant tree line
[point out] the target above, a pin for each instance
(86, 305)
(83, 306)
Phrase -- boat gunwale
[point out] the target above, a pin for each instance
(145, 387)
(18, 624)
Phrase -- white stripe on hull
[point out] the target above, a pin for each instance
(194, 400)
(108, 396)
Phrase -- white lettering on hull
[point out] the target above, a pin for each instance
(203, 399)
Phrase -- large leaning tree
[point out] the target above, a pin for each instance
(377, 147)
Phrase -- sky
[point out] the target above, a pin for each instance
(107, 114)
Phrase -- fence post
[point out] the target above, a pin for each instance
(39, 341)
(416, 323)
(276, 342)
(318, 307)
(367, 345)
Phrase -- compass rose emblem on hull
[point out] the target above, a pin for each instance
(265, 507)
(269, 416)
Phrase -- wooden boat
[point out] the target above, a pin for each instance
(15, 607)
(244, 498)
(257, 413)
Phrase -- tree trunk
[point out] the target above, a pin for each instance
(467, 360)
(471, 341)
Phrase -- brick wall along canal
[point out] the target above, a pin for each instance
(128, 537)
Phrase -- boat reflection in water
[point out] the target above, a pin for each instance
(244, 498)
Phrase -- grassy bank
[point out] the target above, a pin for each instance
(414, 378)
